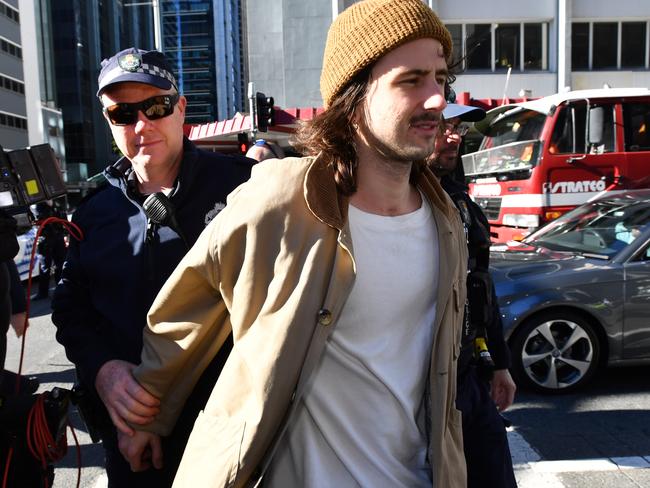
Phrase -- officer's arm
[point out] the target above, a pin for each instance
(77, 321)
(496, 342)
(502, 389)
(502, 385)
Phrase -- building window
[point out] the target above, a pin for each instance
(506, 42)
(14, 121)
(534, 47)
(9, 12)
(456, 31)
(605, 45)
(11, 48)
(520, 46)
(633, 36)
(13, 85)
(478, 41)
(580, 45)
(609, 45)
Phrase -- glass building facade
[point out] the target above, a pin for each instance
(13, 112)
(86, 32)
(136, 28)
(202, 38)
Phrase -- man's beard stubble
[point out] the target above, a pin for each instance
(393, 157)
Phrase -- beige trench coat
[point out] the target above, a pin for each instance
(276, 267)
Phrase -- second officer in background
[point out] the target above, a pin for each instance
(485, 387)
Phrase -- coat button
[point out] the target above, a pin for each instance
(324, 316)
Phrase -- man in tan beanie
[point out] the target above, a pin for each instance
(342, 278)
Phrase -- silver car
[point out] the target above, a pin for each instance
(575, 295)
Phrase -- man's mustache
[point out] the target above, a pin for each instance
(427, 117)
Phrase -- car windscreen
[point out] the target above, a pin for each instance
(603, 227)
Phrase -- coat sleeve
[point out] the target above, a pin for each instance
(76, 320)
(187, 325)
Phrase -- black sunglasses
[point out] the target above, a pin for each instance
(153, 108)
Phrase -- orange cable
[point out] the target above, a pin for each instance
(39, 439)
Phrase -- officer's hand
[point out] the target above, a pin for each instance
(125, 400)
(141, 450)
(503, 389)
(19, 324)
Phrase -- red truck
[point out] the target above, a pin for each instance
(543, 157)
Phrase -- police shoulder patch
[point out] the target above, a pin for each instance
(218, 207)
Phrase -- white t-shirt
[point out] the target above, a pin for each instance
(361, 421)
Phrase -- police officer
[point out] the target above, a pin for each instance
(51, 247)
(8, 249)
(156, 201)
(485, 386)
(12, 305)
(263, 150)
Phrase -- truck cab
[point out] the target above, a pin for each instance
(541, 158)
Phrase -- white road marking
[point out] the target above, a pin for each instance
(102, 481)
(533, 472)
(524, 458)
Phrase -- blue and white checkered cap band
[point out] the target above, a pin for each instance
(151, 69)
(147, 69)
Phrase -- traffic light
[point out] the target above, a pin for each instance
(265, 112)
(243, 142)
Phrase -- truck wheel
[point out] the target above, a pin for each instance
(555, 352)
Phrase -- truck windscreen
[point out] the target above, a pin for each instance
(511, 143)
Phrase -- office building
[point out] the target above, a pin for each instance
(203, 40)
(510, 48)
(136, 27)
(13, 110)
(29, 114)
(44, 117)
(85, 33)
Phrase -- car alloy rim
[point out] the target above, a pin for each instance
(557, 354)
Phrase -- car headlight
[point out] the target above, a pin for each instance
(523, 220)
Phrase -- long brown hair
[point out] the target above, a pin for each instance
(331, 133)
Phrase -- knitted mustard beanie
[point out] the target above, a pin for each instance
(369, 29)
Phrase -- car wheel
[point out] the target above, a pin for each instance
(555, 352)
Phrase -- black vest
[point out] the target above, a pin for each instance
(479, 305)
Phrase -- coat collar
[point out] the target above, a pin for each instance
(331, 208)
(322, 195)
